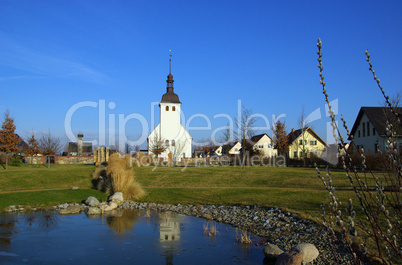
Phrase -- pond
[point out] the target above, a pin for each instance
(121, 237)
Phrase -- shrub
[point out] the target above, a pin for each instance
(16, 161)
(116, 177)
(380, 204)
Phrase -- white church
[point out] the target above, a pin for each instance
(170, 133)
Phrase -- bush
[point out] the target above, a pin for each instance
(16, 161)
(117, 177)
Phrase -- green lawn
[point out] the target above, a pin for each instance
(295, 189)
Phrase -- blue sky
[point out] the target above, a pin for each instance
(56, 54)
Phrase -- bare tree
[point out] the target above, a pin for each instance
(227, 136)
(302, 123)
(49, 145)
(157, 146)
(176, 149)
(244, 127)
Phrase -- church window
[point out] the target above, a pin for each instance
(167, 108)
(173, 141)
(167, 142)
(173, 108)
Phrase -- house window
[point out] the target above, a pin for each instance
(313, 142)
(260, 146)
(295, 154)
(373, 131)
(236, 149)
(167, 108)
(173, 108)
(173, 141)
(358, 133)
(167, 142)
(301, 154)
(269, 145)
(300, 142)
(368, 129)
(364, 129)
(375, 148)
(184, 154)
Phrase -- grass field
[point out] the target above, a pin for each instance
(295, 189)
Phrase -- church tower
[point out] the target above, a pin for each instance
(174, 137)
(170, 109)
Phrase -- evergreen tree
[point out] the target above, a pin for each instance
(281, 139)
(33, 147)
(8, 139)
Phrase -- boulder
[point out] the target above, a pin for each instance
(289, 258)
(75, 188)
(113, 204)
(92, 201)
(117, 197)
(272, 251)
(309, 251)
(72, 209)
(93, 211)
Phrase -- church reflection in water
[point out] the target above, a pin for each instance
(169, 234)
(168, 225)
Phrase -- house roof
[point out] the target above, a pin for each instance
(293, 135)
(73, 147)
(256, 138)
(377, 117)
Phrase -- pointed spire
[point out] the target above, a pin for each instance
(170, 96)
(170, 80)
(170, 62)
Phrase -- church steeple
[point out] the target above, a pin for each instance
(169, 81)
(170, 96)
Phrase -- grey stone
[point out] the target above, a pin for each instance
(75, 188)
(113, 205)
(92, 201)
(73, 209)
(117, 197)
(309, 251)
(289, 258)
(272, 251)
(93, 211)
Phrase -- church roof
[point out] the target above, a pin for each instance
(170, 96)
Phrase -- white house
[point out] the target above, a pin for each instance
(174, 136)
(369, 130)
(235, 149)
(264, 145)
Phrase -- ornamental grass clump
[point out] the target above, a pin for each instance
(373, 229)
(117, 177)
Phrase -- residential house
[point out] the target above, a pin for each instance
(369, 130)
(235, 148)
(264, 145)
(313, 143)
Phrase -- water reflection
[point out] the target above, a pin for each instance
(119, 237)
(169, 234)
(122, 221)
(42, 220)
